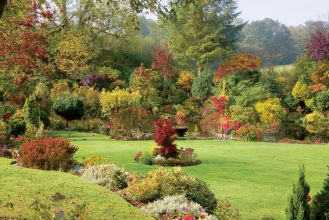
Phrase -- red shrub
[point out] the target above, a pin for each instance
(164, 136)
(47, 154)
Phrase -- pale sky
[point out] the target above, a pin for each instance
(289, 12)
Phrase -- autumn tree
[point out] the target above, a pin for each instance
(23, 41)
(73, 54)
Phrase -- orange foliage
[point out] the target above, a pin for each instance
(243, 62)
(317, 87)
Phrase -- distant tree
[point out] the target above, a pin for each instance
(69, 106)
(302, 33)
(270, 40)
(203, 32)
(298, 207)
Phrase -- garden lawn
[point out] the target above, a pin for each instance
(256, 177)
(20, 187)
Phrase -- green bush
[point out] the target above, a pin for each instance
(298, 207)
(320, 206)
(44, 117)
(160, 183)
(147, 159)
(31, 115)
(17, 127)
(199, 192)
(69, 106)
(203, 85)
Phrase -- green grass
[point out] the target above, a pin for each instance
(21, 186)
(256, 177)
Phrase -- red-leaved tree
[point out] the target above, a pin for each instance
(23, 41)
(164, 137)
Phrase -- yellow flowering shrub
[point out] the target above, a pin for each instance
(270, 111)
(118, 98)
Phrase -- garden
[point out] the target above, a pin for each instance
(106, 114)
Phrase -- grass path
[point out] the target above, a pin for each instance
(256, 177)
(19, 187)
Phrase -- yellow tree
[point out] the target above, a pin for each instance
(73, 54)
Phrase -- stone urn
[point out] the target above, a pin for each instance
(181, 131)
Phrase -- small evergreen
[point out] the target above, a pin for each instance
(320, 206)
(69, 106)
(31, 114)
(298, 207)
(202, 86)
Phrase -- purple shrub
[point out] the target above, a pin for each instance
(95, 80)
(318, 46)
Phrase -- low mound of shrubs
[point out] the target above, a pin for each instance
(107, 175)
(162, 182)
(175, 207)
(47, 154)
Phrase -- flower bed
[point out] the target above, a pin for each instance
(166, 153)
(163, 193)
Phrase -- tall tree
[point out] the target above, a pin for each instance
(202, 32)
(270, 40)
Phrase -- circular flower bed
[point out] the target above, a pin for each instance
(166, 152)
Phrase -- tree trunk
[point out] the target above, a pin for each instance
(64, 15)
(199, 68)
(3, 4)
(67, 123)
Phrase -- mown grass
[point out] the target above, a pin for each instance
(20, 187)
(256, 177)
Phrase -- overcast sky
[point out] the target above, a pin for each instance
(289, 12)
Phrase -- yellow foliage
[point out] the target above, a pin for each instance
(301, 91)
(270, 111)
(118, 98)
(58, 88)
(185, 80)
(73, 54)
(314, 122)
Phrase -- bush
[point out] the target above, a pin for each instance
(202, 85)
(320, 206)
(199, 192)
(248, 133)
(131, 123)
(146, 159)
(225, 211)
(44, 117)
(17, 127)
(298, 207)
(47, 154)
(95, 160)
(107, 175)
(69, 106)
(162, 182)
(164, 137)
(144, 190)
(171, 207)
(31, 115)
